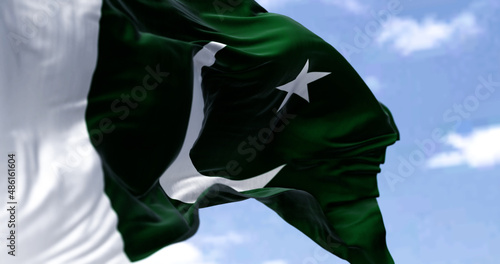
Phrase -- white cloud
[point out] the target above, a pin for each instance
(217, 246)
(373, 83)
(214, 249)
(353, 6)
(408, 35)
(479, 149)
(275, 262)
(230, 238)
(181, 253)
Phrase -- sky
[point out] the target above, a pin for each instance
(435, 64)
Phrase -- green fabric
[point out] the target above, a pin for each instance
(332, 145)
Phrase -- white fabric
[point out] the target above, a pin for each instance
(48, 52)
(181, 180)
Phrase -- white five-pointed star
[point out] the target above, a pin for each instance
(299, 85)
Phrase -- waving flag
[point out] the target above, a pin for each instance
(126, 117)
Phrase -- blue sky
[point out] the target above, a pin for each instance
(435, 64)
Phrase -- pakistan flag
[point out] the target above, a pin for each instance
(198, 103)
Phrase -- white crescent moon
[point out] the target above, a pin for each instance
(181, 181)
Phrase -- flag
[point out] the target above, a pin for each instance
(150, 110)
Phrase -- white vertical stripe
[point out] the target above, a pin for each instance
(48, 51)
